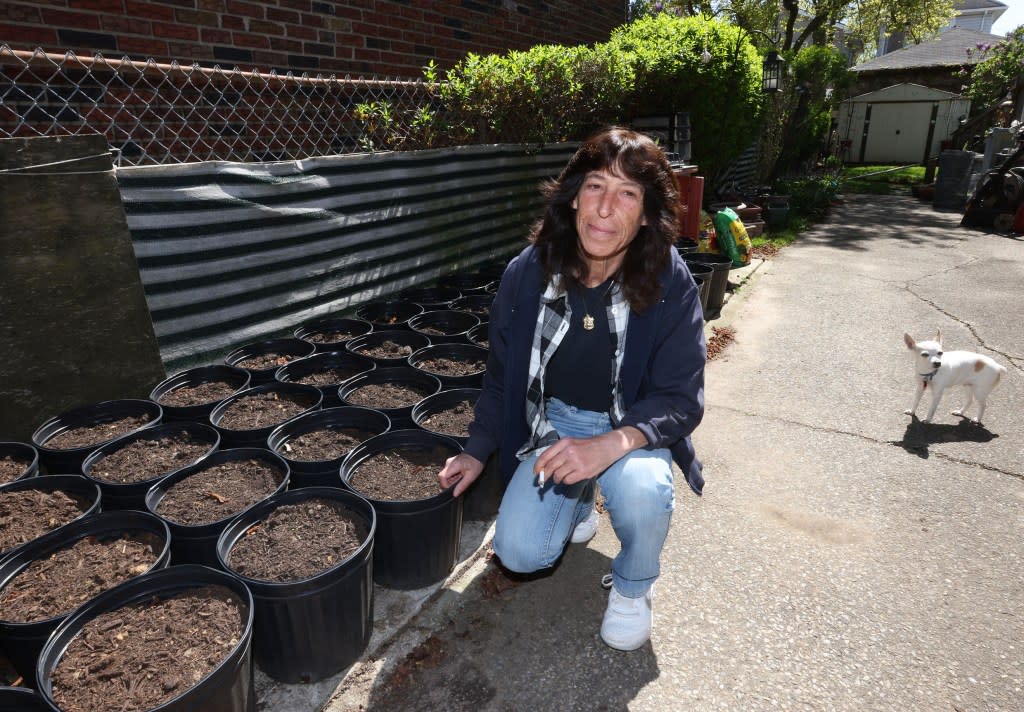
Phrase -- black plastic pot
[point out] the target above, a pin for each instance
(389, 315)
(23, 641)
(472, 283)
(237, 378)
(431, 298)
(21, 452)
(451, 324)
(71, 484)
(374, 339)
(291, 347)
(197, 544)
(704, 273)
(407, 376)
(229, 688)
(720, 265)
(478, 335)
(22, 699)
(686, 247)
(309, 629)
(132, 495)
(338, 330)
(481, 500)
(465, 353)
(67, 461)
(349, 363)
(417, 541)
(323, 473)
(477, 304)
(308, 396)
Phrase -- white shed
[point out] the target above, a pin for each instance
(904, 123)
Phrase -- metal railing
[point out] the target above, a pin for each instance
(155, 113)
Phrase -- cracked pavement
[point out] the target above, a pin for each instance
(843, 556)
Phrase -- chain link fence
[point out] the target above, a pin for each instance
(156, 113)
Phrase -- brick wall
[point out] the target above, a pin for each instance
(393, 38)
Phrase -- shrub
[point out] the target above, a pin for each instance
(996, 74)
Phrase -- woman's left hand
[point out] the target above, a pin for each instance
(571, 460)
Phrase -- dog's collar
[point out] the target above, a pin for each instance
(927, 376)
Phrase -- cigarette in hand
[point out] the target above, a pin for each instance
(540, 478)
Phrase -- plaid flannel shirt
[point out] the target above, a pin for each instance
(553, 321)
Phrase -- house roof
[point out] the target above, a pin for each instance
(949, 49)
(963, 5)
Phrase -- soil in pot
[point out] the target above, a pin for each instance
(261, 362)
(199, 394)
(219, 491)
(386, 350)
(141, 656)
(401, 474)
(70, 576)
(298, 541)
(30, 513)
(86, 435)
(332, 376)
(329, 335)
(11, 468)
(443, 366)
(146, 459)
(451, 421)
(260, 410)
(324, 444)
(386, 395)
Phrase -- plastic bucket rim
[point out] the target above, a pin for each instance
(442, 498)
(274, 385)
(353, 384)
(33, 465)
(146, 406)
(277, 439)
(166, 386)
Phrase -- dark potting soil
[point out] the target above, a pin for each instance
(138, 657)
(324, 444)
(451, 421)
(86, 435)
(444, 366)
(387, 349)
(331, 336)
(438, 330)
(69, 577)
(218, 492)
(262, 362)
(11, 468)
(147, 459)
(298, 541)
(328, 376)
(199, 394)
(31, 513)
(401, 474)
(386, 395)
(262, 410)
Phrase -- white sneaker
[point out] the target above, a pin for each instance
(586, 529)
(627, 621)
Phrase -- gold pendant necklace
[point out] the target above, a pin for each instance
(588, 321)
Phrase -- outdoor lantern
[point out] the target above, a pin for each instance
(772, 70)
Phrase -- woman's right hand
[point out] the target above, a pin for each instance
(461, 471)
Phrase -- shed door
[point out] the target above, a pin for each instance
(898, 132)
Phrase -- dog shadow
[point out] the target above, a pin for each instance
(919, 435)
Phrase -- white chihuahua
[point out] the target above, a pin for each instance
(938, 371)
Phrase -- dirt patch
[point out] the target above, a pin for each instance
(385, 350)
(30, 513)
(447, 366)
(765, 251)
(720, 339)
(425, 656)
(451, 421)
(220, 491)
(262, 410)
(11, 468)
(328, 376)
(199, 394)
(386, 395)
(146, 459)
(262, 362)
(298, 541)
(325, 444)
(69, 577)
(401, 474)
(139, 657)
(87, 435)
(332, 336)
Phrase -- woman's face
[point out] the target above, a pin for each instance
(609, 213)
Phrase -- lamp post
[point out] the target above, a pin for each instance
(773, 69)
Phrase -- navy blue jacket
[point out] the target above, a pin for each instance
(662, 376)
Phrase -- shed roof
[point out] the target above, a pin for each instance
(906, 92)
(949, 49)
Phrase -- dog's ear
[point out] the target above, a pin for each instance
(909, 341)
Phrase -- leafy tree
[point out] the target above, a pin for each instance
(998, 73)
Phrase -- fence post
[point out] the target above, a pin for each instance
(74, 324)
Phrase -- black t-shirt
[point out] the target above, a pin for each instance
(580, 371)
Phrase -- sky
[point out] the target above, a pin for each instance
(1011, 19)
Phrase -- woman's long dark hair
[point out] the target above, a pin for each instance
(634, 156)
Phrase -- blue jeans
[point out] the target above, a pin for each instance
(534, 524)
